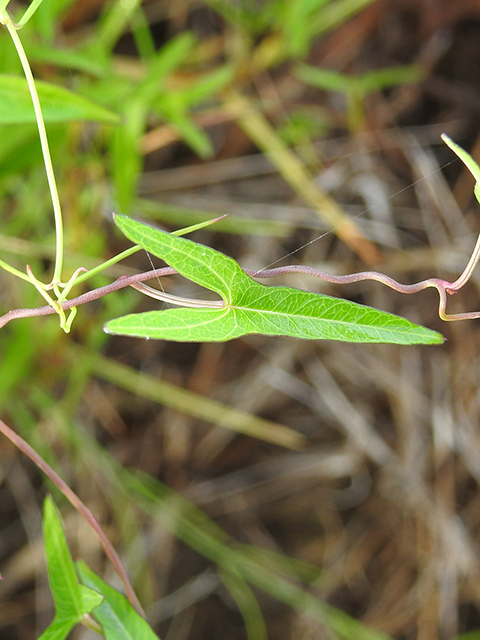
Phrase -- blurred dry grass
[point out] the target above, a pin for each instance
(384, 494)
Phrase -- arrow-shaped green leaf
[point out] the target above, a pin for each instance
(251, 307)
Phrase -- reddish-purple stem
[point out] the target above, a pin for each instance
(442, 286)
(82, 509)
(95, 294)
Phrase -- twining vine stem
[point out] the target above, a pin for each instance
(443, 287)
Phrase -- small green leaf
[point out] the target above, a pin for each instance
(118, 618)
(72, 600)
(251, 307)
(58, 104)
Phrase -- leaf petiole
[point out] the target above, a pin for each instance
(194, 303)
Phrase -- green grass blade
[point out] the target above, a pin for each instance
(192, 526)
(196, 405)
(251, 307)
(118, 618)
(180, 216)
(247, 604)
(96, 66)
(58, 104)
(334, 14)
(178, 116)
(363, 83)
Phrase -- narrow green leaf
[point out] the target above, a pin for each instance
(61, 571)
(58, 104)
(118, 618)
(195, 404)
(465, 157)
(251, 307)
(72, 600)
(206, 86)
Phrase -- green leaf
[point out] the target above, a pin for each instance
(58, 104)
(251, 307)
(72, 600)
(59, 629)
(118, 618)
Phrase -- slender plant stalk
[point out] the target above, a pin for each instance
(81, 507)
(3, 6)
(12, 29)
(28, 13)
(14, 272)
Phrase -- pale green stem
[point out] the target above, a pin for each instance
(14, 271)
(29, 13)
(71, 316)
(62, 295)
(24, 19)
(469, 269)
(45, 148)
(40, 287)
(108, 263)
(65, 323)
